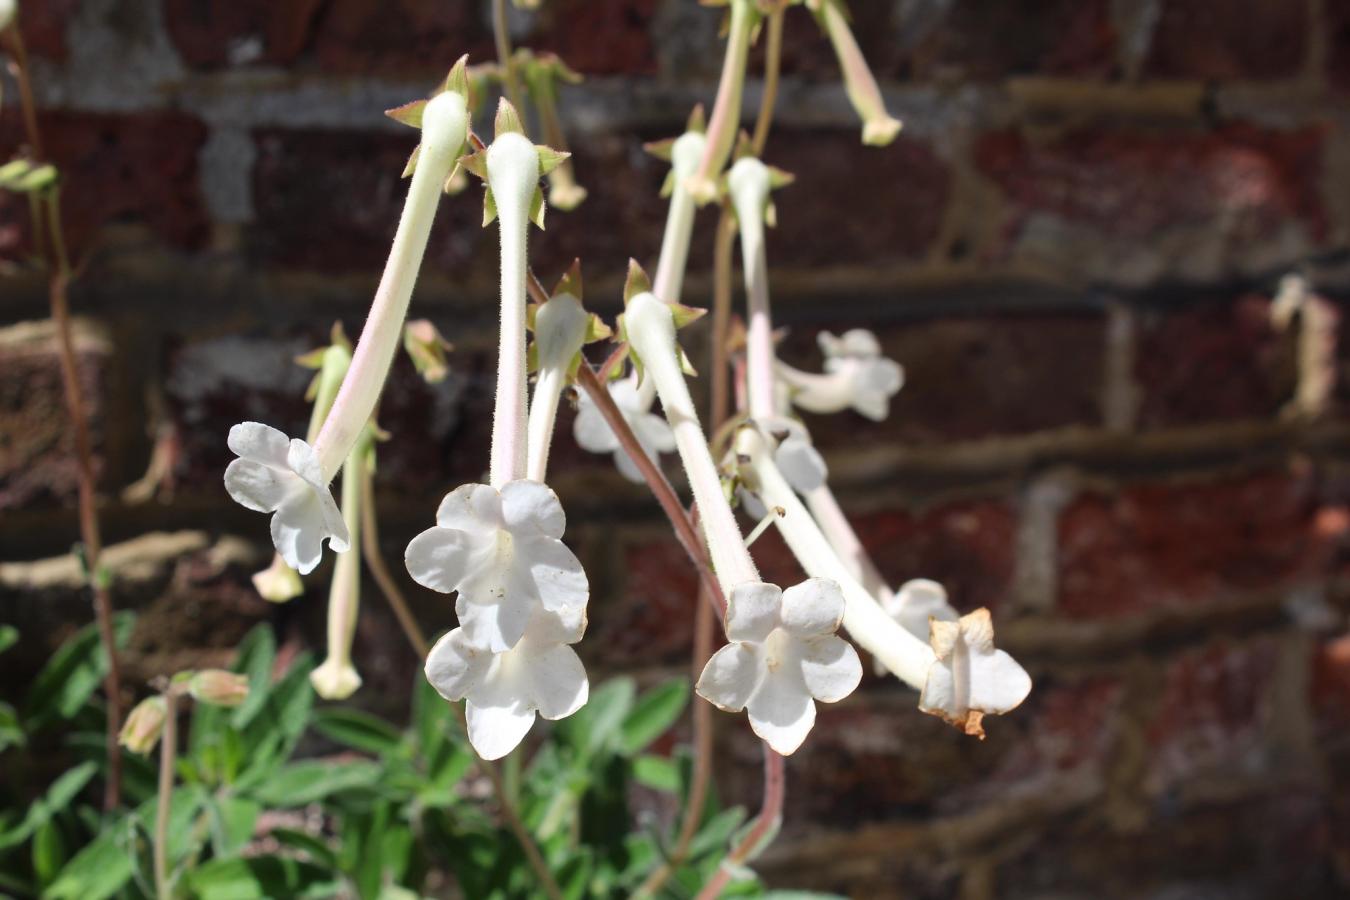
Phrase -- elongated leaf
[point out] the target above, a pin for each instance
(73, 674)
(11, 732)
(58, 797)
(260, 877)
(257, 654)
(356, 729)
(657, 772)
(654, 713)
(310, 781)
(318, 851)
(9, 636)
(596, 725)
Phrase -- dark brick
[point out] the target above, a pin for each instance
(44, 26)
(1168, 546)
(139, 169)
(1218, 360)
(599, 37)
(37, 444)
(1247, 39)
(214, 35)
(1211, 715)
(1138, 205)
(420, 38)
(1337, 30)
(855, 204)
(979, 41)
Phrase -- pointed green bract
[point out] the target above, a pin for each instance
(507, 120)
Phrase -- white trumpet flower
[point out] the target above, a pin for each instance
(503, 552)
(971, 679)
(593, 433)
(281, 475)
(784, 655)
(856, 377)
(504, 691)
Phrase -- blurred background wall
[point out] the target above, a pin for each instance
(1072, 248)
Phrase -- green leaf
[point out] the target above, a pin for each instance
(307, 782)
(99, 870)
(257, 654)
(596, 725)
(657, 772)
(260, 877)
(318, 851)
(60, 795)
(11, 732)
(356, 729)
(49, 852)
(232, 823)
(9, 636)
(717, 832)
(655, 712)
(73, 674)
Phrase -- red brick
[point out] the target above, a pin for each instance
(1247, 39)
(983, 41)
(1212, 361)
(211, 35)
(1167, 546)
(599, 37)
(37, 452)
(416, 38)
(968, 377)
(44, 26)
(650, 619)
(855, 204)
(139, 169)
(1158, 201)
(968, 546)
(1330, 687)
(1211, 715)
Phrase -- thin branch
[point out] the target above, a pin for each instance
(370, 549)
(168, 751)
(59, 275)
(505, 59)
(685, 530)
(773, 56)
(770, 814)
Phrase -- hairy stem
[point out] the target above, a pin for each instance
(770, 814)
(543, 415)
(726, 112)
(59, 274)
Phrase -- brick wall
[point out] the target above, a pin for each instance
(1073, 249)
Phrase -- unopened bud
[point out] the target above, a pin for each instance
(144, 725)
(278, 582)
(219, 687)
(427, 348)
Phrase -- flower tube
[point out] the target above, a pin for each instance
(749, 184)
(290, 477)
(879, 126)
(336, 678)
(649, 327)
(726, 114)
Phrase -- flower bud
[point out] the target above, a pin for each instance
(219, 687)
(144, 725)
(278, 582)
(426, 348)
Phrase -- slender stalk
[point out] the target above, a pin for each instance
(773, 56)
(879, 127)
(723, 243)
(702, 715)
(543, 414)
(749, 183)
(59, 274)
(670, 266)
(770, 815)
(726, 112)
(685, 530)
(839, 531)
(502, 38)
(168, 753)
(370, 550)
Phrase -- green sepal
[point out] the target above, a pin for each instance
(25, 177)
(668, 186)
(570, 282)
(532, 358)
(507, 119)
(456, 181)
(685, 315)
(744, 146)
(597, 330)
(412, 161)
(537, 208)
(636, 282)
(698, 121)
(409, 114)
(458, 79)
(313, 359)
(661, 149)
(686, 366)
(475, 163)
(550, 159)
(489, 207)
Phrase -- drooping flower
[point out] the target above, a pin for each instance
(278, 582)
(218, 687)
(784, 655)
(593, 433)
(144, 725)
(281, 475)
(856, 376)
(503, 552)
(914, 604)
(505, 690)
(971, 679)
